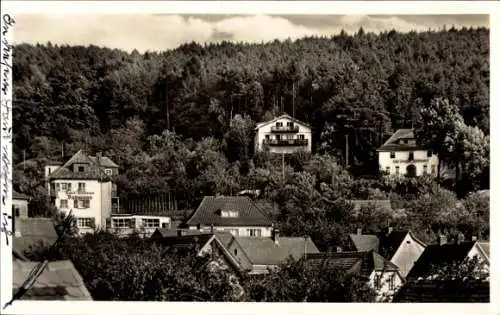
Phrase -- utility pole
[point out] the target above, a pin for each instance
(293, 100)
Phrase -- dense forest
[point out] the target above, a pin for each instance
(182, 120)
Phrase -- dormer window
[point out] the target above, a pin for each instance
(108, 172)
(289, 124)
(229, 214)
(279, 124)
(411, 156)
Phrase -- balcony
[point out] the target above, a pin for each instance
(285, 142)
(289, 129)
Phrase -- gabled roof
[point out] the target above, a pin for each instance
(436, 255)
(58, 281)
(364, 242)
(428, 291)
(363, 263)
(285, 116)
(20, 196)
(92, 172)
(33, 232)
(392, 143)
(264, 251)
(104, 161)
(208, 212)
(485, 247)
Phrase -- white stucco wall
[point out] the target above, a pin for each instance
(407, 254)
(475, 251)
(401, 159)
(384, 290)
(264, 130)
(242, 230)
(98, 204)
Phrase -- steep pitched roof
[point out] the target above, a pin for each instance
(209, 212)
(285, 116)
(363, 263)
(485, 246)
(33, 232)
(427, 291)
(392, 144)
(436, 254)
(92, 171)
(104, 161)
(364, 242)
(58, 281)
(264, 251)
(20, 196)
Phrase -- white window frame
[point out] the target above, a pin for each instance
(85, 222)
(121, 223)
(229, 214)
(80, 189)
(151, 222)
(108, 172)
(254, 232)
(65, 205)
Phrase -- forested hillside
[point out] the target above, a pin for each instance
(182, 119)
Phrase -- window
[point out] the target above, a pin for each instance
(391, 282)
(289, 124)
(254, 232)
(236, 251)
(63, 204)
(410, 156)
(81, 203)
(229, 214)
(58, 186)
(301, 137)
(429, 153)
(81, 187)
(164, 225)
(16, 211)
(81, 169)
(279, 124)
(65, 186)
(425, 169)
(108, 171)
(378, 281)
(267, 137)
(122, 223)
(393, 155)
(151, 223)
(433, 169)
(397, 170)
(85, 222)
(405, 141)
(278, 137)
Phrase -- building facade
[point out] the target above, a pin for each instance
(239, 215)
(83, 185)
(143, 225)
(401, 156)
(283, 134)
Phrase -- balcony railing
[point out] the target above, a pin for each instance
(285, 142)
(285, 129)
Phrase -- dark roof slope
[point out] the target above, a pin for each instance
(264, 251)
(33, 231)
(209, 212)
(438, 255)
(393, 144)
(426, 291)
(20, 196)
(92, 171)
(58, 281)
(104, 161)
(389, 243)
(364, 242)
(363, 263)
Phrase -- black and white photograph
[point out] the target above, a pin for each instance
(245, 157)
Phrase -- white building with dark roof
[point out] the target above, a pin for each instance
(84, 185)
(283, 134)
(400, 155)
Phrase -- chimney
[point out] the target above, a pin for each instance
(474, 238)
(359, 231)
(442, 239)
(389, 230)
(339, 249)
(460, 238)
(276, 235)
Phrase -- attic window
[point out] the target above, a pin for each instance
(289, 124)
(108, 172)
(81, 169)
(279, 124)
(229, 214)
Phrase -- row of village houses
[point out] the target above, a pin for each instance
(239, 228)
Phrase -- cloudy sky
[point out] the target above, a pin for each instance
(161, 31)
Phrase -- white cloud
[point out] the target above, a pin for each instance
(160, 32)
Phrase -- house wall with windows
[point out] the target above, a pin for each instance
(407, 254)
(403, 163)
(283, 135)
(144, 225)
(86, 199)
(385, 283)
(261, 231)
(20, 208)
